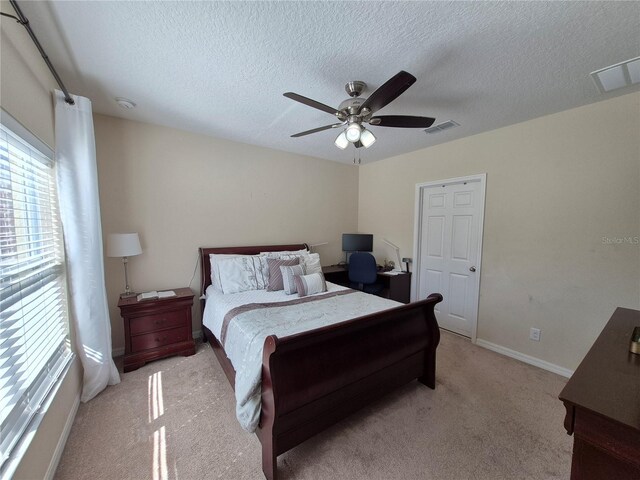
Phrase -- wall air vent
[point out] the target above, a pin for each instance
(617, 76)
(441, 127)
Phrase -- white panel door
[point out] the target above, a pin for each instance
(448, 251)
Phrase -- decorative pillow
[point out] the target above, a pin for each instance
(310, 284)
(275, 274)
(287, 277)
(239, 274)
(312, 263)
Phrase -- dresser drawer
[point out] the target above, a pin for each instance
(160, 321)
(159, 339)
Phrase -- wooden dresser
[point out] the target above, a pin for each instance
(602, 399)
(157, 328)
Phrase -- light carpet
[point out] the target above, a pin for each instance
(490, 417)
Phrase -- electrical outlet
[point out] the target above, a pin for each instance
(534, 334)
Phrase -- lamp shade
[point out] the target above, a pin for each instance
(123, 245)
(342, 142)
(367, 138)
(353, 132)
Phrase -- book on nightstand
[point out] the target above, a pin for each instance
(152, 295)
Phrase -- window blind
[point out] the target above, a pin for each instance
(34, 348)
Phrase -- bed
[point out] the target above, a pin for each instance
(311, 380)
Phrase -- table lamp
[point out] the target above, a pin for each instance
(397, 263)
(124, 245)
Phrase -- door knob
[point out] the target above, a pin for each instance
(472, 269)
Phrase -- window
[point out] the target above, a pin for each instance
(34, 348)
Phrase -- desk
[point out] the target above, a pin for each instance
(602, 400)
(396, 287)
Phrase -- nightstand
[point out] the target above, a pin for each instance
(157, 328)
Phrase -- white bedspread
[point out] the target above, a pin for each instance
(245, 334)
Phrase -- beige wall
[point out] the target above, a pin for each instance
(27, 85)
(26, 93)
(181, 191)
(556, 186)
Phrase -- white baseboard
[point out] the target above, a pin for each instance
(62, 441)
(536, 362)
(118, 352)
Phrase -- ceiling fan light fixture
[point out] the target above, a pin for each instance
(367, 138)
(341, 141)
(353, 132)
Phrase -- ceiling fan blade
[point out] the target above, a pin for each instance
(311, 103)
(389, 91)
(319, 129)
(402, 121)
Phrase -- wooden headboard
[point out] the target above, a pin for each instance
(205, 276)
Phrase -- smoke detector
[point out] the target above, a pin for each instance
(124, 103)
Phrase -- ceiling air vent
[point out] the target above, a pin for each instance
(441, 127)
(617, 76)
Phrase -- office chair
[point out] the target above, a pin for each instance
(363, 273)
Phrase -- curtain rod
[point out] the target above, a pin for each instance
(22, 20)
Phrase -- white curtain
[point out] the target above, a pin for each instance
(80, 214)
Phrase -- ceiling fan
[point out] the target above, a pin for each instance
(356, 110)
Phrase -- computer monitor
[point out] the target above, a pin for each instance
(357, 242)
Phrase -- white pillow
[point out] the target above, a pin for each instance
(214, 258)
(240, 274)
(312, 263)
(287, 254)
(310, 284)
(288, 274)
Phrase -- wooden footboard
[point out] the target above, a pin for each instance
(313, 379)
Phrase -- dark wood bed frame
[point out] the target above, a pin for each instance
(314, 379)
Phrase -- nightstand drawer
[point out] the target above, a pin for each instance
(159, 339)
(151, 323)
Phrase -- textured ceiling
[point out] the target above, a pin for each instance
(220, 68)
